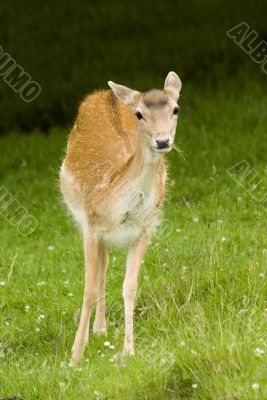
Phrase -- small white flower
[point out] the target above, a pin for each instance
(223, 239)
(62, 385)
(194, 352)
(178, 230)
(182, 343)
(41, 283)
(50, 248)
(63, 312)
(70, 294)
(26, 308)
(194, 386)
(7, 323)
(66, 282)
(258, 352)
(261, 275)
(37, 329)
(97, 393)
(255, 386)
(106, 344)
(112, 347)
(40, 318)
(2, 283)
(111, 360)
(102, 355)
(196, 219)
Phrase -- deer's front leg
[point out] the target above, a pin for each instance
(130, 283)
(91, 253)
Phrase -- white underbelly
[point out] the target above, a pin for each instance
(122, 235)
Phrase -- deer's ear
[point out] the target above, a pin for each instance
(126, 95)
(173, 85)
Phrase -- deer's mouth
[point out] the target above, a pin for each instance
(164, 149)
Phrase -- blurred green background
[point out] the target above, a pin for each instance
(73, 47)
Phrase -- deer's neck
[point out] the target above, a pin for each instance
(145, 162)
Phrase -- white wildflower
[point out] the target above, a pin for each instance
(255, 386)
(62, 385)
(40, 318)
(258, 352)
(41, 283)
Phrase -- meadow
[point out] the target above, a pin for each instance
(201, 310)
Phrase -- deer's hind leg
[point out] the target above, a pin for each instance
(100, 326)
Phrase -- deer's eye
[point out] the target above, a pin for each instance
(175, 110)
(138, 115)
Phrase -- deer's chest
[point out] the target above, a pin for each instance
(132, 211)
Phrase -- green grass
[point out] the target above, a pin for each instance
(201, 310)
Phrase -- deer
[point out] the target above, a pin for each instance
(113, 181)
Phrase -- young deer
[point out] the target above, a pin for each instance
(112, 179)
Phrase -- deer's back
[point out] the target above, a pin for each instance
(102, 140)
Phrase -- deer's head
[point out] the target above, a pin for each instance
(156, 111)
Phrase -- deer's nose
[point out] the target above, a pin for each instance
(163, 143)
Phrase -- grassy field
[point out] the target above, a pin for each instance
(201, 312)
